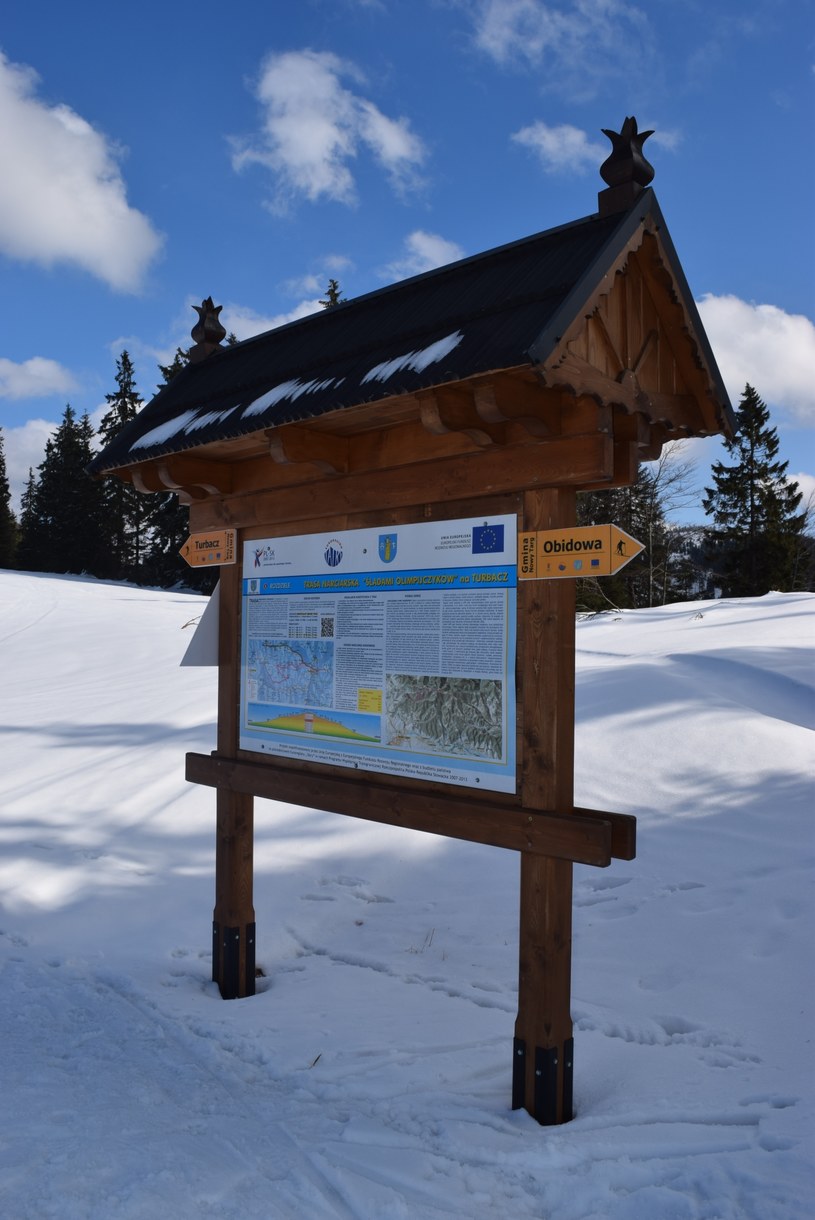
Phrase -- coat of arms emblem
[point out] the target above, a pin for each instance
(387, 547)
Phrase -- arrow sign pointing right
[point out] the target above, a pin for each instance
(624, 548)
(587, 550)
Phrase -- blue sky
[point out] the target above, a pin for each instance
(156, 154)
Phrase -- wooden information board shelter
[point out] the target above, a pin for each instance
(446, 415)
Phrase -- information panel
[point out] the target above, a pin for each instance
(388, 650)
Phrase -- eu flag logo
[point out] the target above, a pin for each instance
(487, 538)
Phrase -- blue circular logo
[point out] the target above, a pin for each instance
(333, 553)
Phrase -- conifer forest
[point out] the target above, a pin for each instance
(757, 536)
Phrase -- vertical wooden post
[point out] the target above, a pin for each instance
(233, 920)
(543, 1047)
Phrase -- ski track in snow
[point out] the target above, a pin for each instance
(287, 1143)
(369, 1077)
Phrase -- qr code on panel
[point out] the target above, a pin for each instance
(327, 626)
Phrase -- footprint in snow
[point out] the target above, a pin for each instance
(356, 886)
(778, 1101)
(15, 939)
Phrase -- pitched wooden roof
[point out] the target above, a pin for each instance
(552, 303)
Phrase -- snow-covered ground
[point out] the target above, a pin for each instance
(370, 1076)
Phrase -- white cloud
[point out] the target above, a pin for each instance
(561, 148)
(24, 448)
(34, 378)
(668, 138)
(582, 44)
(309, 284)
(315, 283)
(315, 127)
(422, 252)
(244, 322)
(518, 29)
(240, 320)
(338, 263)
(393, 144)
(65, 201)
(761, 344)
(806, 485)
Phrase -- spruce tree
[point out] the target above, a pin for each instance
(8, 522)
(171, 521)
(164, 565)
(63, 517)
(128, 511)
(756, 542)
(171, 526)
(637, 510)
(169, 371)
(31, 545)
(333, 295)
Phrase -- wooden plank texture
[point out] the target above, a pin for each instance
(572, 460)
(623, 831)
(547, 623)
(233, 947)
(587, 840)
(229, 634)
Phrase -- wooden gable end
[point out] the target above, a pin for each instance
(636, 346)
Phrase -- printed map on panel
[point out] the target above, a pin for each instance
(459, 716)
(292, 672)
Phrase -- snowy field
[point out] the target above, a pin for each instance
(370, 1076)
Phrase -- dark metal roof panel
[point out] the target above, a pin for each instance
(474, 316)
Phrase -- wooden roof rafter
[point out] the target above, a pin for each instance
(448, 420)
(591, 321)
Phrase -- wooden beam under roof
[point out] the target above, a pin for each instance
(563, 461)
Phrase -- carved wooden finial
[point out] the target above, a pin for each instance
(626, 169)
(207, 331)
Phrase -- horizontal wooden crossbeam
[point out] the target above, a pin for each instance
(571, 461)
(585, 837)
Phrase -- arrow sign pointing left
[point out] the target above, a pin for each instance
(213, 550)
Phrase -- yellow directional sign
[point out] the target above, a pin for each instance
(586, 550)
(214, 550)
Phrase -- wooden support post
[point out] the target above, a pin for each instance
(233, 920)
(543, 1030)
(543, 1047)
